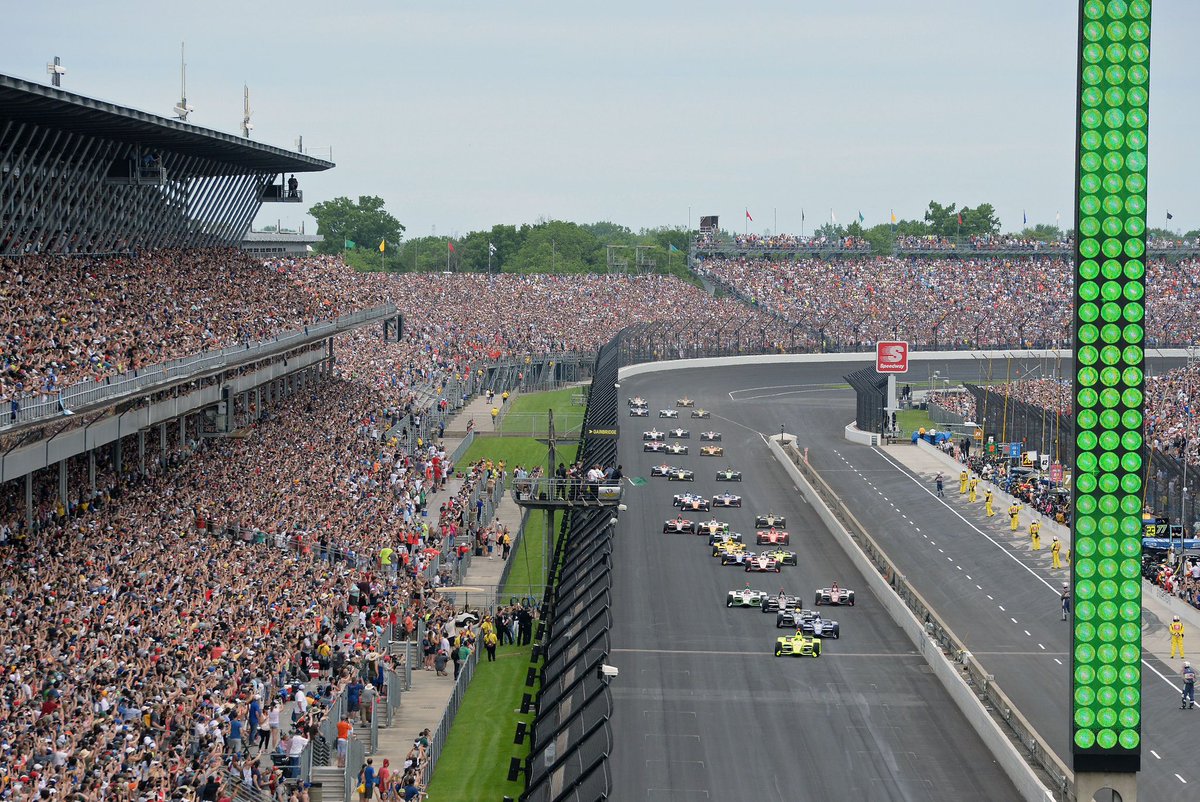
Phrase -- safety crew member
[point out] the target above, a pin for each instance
(1055, 551)
(1013, 516)
(495, 414)
(1189, 687)
(987, 504)
(971, 488)
(963, 476)
(1035, 538)
(1066, 600)
(1176, 630)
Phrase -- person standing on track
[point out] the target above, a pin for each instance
(987, 504)
(1176, 630)
(1189, 687)
(1066, 600)
(963, 476)
(1055, 550)
(1035, 538)
(1014, 510)
(972, 487)
(941, 485)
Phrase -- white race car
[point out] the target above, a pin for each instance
(654, 445)
(677, 448)
(761, 563)
(684, 402)
(668, 413)
(637, 401)
(653, 434)
(680, 434)
(835, 595)
(727, 500)
(745, 598)
(639, 412)
(710, 437)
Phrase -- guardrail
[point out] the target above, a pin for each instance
(1058, 777)
(33, 408)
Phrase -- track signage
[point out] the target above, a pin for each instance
(891, 357)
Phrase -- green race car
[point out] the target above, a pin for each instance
(798, 645)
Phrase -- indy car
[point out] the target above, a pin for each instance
(681, 475)
(761, 563)
(677, 448)
(835, 595)
(809, 622)
(735, 557)
(725, 539)
(729, 475)
(637, 401)
(711, 527)
(657, 446)
(678, 525)
(662, 470)
(727, 500)
(797, 646)
(639, 412)
(772, 537)
(684, 402)
(745, 598)
(668, 413)
(711, 437)
(769, 521)
(688, 501)
(781, 601)
(680, 434)
(712, 451)
(782, 556)
(701, 413)
(653, 434)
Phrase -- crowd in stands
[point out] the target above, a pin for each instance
(710, 239)
(976, 242)
(976, 301)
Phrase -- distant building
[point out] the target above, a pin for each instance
(283, 243)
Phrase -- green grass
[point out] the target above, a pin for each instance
(473, 766)
(527, 577)
(909, 420)
(527, 413)
(524, 451)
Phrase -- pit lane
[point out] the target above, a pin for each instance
(1005, 613)
(703, 710)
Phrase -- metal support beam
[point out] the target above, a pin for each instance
(141, 441)
(63, 494)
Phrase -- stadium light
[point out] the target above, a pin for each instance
(1110, 243)
(56, 71)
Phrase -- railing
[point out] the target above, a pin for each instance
(40, 407)
(565, 492)
(443, 728)
(1038, 752)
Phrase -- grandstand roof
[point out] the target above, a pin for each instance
(23, 101)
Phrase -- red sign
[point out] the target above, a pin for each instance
(891, 357)
(1056, 472)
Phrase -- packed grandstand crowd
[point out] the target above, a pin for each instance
(709, 239)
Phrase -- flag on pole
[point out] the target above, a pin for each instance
(832, 217)
(450, 245)
(801, 215)
(960, 218)
(382, 245)
(1170, 216)
(860, 216)
(1057, 218)
(671, 248)
(893, 211)
(349, 244)
(1024, 218)
(748, 217)
(491, 249)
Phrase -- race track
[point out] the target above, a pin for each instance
(704, 711)
(993, 593)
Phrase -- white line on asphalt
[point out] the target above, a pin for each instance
(1026, 632)
(917, 528)
(940, 551)
(969, 576)
(1010, 618)
(1157, 756)
(1001, 606)
(1040, 646)
(977, 587)
(989, 596)
(959, 567)
(1058, 661)
(1181, 779)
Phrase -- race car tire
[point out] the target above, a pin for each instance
(778, 650)
(728, 603)
(816, 652)
(817, 600)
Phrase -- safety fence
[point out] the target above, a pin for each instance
(461, 683)
(870, 390)
(143, 381)
(1054, 772)
(1170, 487)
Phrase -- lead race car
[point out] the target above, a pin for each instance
(701, 413)
(690, 501)
(639, 412)
(677, 448)
(772, 537)
(809, 622)
(678, 525)
(712, 451)
(761, 563)
(653, 434)
(710, 437)
(746, 597)
(798, 645)
(684, 402)
(729, 475)
(656, 446)
(727, 500)
(680, 433)
(769, 521)
(668, 413)
(835, 595)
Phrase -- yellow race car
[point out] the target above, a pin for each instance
(798, 645)
(728, 547)
(712, 451)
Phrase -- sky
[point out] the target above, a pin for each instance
(466, 114)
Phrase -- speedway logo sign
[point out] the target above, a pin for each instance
(891, 357)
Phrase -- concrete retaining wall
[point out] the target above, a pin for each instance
(1010, 760)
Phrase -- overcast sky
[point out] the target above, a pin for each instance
(465, 114)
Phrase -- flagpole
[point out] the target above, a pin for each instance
(776, 229)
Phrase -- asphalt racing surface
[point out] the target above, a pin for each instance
(704, 711)
(996, 594)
